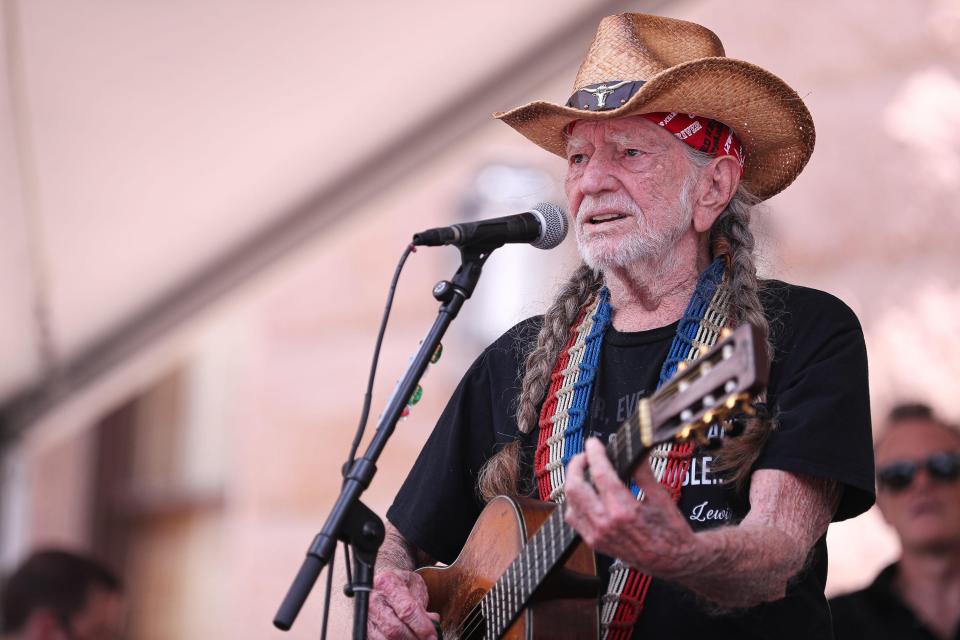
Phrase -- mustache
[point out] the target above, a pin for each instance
(618, 201)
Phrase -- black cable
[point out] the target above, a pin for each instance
(362, 425)
(410, 248)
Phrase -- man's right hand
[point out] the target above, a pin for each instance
(398, 607)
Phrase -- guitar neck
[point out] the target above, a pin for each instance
(544, 551)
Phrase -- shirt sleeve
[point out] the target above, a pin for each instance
(819, 397)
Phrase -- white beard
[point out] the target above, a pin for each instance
(644, 244)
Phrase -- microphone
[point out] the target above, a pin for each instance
(544, 226)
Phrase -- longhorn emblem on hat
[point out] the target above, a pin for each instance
(604, 90)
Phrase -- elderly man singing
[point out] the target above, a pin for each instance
(668, 144)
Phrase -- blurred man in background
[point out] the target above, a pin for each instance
(918, 492)
(58, 595)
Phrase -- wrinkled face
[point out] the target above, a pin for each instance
(925, 514)
(629, 185)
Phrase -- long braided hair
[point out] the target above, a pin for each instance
(730, 236)
(501, 473)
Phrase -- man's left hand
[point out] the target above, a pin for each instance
(650, 535)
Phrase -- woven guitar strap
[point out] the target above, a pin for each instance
(566, 407)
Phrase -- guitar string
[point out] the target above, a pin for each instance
(516, 574)
(657, 402)
(539, 554)
(473, 622)
(475, 619)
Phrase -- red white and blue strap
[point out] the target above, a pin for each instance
(568, 399)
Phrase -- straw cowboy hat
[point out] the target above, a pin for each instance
(643, 64)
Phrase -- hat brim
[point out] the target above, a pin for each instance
(771, 120)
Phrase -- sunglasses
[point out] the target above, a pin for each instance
(941, 467)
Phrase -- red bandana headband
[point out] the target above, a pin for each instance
(703, 134)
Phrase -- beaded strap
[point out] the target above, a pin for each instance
(565, 408)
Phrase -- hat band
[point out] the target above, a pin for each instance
(604, 96)
(703, 134)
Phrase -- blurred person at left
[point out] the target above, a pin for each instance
(60, 595)
(918, 493)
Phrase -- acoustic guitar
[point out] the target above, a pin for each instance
(523, 571)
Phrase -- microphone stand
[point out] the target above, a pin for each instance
(350, 520)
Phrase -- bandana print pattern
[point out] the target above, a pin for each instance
(702, 134)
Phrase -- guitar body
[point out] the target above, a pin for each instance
(565, 606)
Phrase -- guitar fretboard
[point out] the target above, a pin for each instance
(550, 544)
(543, 551)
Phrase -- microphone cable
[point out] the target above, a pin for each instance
(365, 412)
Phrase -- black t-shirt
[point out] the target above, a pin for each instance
(818, 397)
(878, 613)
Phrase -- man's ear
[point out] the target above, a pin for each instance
(717, 185)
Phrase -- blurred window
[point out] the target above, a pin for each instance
(518, 280)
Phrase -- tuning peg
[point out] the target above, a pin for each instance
(684, 433)
(731, 403)
(725, 333)
(682, 366)
(708, 417)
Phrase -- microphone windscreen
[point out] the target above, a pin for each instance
(554, 225)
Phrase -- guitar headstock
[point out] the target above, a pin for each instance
(716, 386)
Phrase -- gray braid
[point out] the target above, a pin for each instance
(553, 335)
(500, 474)
(731, 236)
